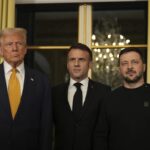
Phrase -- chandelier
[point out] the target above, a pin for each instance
(107, 31)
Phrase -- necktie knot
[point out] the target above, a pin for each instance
(77, 85)
(14, 70)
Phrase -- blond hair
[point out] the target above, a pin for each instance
(8, 31)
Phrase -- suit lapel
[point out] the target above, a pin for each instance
(65, 96)
(4, 100)
(89, 94)
(28, 90)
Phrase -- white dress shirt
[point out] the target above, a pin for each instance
(20, 74)
(72, 89)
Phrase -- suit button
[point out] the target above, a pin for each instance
(77, 125)
(9, 142)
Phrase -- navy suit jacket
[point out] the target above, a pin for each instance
(72, 135)
(31, 128)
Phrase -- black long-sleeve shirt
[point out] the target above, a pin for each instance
(124, 122)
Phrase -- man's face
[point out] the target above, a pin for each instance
(131, 67)
(13, 48)
(78, 64)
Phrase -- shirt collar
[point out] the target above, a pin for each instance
(84, 82)
(8, 67)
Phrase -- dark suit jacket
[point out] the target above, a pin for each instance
(72, 135)
(31, 128)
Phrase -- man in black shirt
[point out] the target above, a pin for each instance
(124, 123)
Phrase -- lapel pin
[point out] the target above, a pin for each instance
(146, 104)
(32, 79)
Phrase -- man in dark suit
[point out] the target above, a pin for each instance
(25, 109)
(76, 108)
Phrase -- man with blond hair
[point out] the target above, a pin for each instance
(25, 103)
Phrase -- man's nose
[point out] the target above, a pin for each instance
(14, 46)
(130, 65)
(76, 62)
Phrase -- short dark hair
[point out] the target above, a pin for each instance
(132, 49)
(82, 47)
